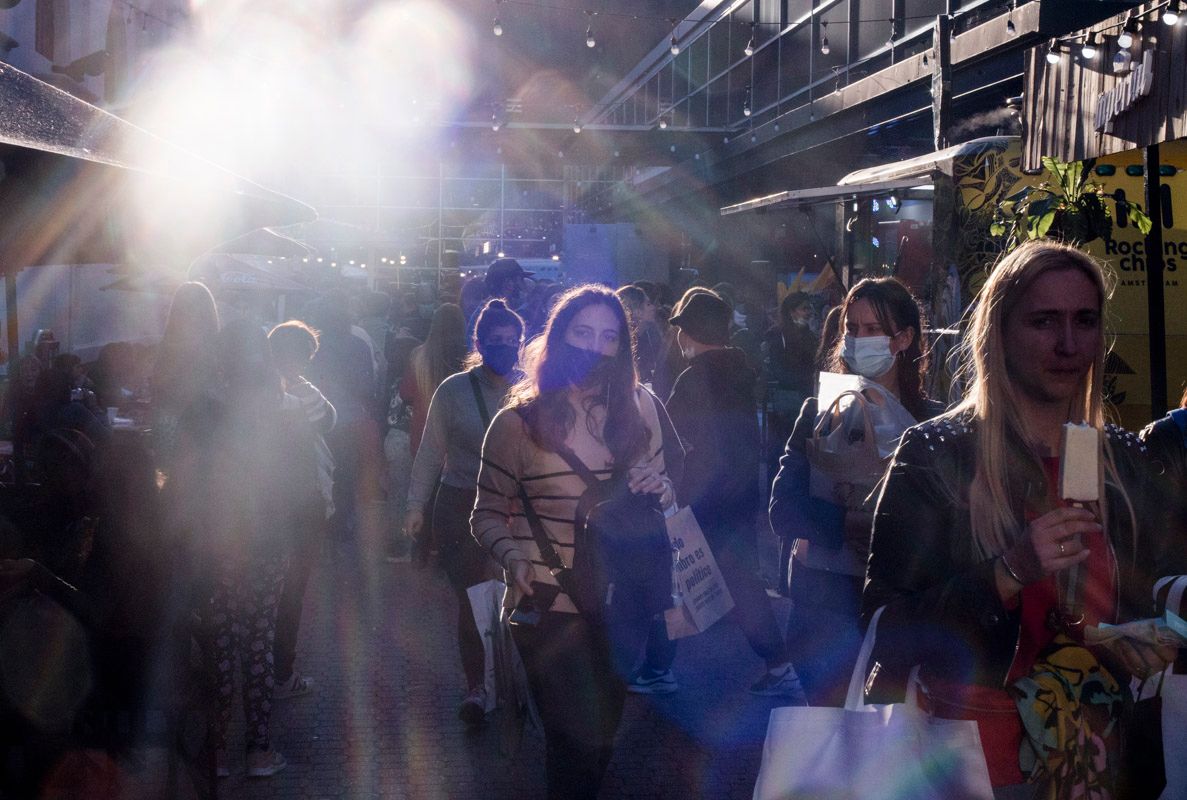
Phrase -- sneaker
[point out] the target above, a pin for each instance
(295, 686)
(472, 711)
(780, 682)
(264, 763)
(647, 682)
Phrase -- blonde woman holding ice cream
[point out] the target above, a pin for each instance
(990, 579)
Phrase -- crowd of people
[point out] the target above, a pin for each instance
(475, 433)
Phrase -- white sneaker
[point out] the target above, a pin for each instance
(780, 682)
(647, 682)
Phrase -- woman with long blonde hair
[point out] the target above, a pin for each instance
(440, 356)
(991, 581)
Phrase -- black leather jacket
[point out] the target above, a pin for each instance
(943, 609)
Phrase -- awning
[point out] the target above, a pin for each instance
(823, 194)
(80, 185)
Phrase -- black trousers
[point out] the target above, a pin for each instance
(580, 697)
(465, 564)
(292, 598)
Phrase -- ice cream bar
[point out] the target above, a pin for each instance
(1079, 463)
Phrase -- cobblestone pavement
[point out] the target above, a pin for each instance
(378, 641)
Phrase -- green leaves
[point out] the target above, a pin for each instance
(1070, 206)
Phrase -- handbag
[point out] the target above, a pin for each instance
(699, 590)
(845, 455)
(871, 752)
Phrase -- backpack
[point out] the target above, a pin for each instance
(622, 558)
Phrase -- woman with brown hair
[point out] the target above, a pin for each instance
(882, 343)
(447, 463)
(579, 395)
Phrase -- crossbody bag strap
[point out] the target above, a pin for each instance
(548, 553)
(577, 465)
(480, 400)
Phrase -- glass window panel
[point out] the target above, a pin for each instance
(698, 61)
(874, 27)
(718, 103)
(766, 77)
(798, 60)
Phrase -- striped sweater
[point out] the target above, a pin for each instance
(509, 460)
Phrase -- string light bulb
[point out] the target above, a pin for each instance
(749, 49)
(1125, 38)
(495, 124)
(1053, 56)
(746, 110)
(590, 41)
(663, 123)
(824, 48)
(1089, 49)
(674, 46)
(497, 28)
(1172, 13)
(576, 126)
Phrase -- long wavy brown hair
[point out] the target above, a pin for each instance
(542, 395)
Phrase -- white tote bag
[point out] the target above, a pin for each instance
(866, 752)
(486, 601)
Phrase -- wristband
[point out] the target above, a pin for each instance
(1010, 570)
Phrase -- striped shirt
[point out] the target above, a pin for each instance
(510, 459)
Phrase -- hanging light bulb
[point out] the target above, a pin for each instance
(674, 46)
(497, 29)
(495, 124)
(748, 50)
(1172, 12)
(590, 41)
(663, 123)
(1089, 49)
(824, 48)
(1125, 39)
(1053, 56)
(746, 111)
(576, 126)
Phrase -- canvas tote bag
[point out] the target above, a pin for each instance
(869, 752)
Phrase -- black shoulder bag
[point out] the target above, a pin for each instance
(622, 558)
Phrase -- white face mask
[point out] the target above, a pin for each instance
(868, 356)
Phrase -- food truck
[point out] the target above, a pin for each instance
(928, 220)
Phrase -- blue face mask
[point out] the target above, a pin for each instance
(868, 356)
(501, 358)
(583, 367)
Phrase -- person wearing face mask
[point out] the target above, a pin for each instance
(714, 411)
(882, 343)
(451, 447)
(579, 397)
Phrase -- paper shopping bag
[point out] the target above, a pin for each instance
(701, 596)
(868, 752)
(486, 601)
